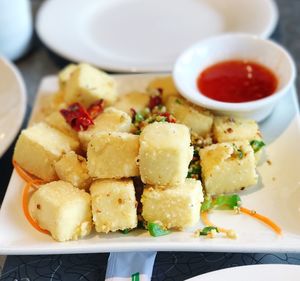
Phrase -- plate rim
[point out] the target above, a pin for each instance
(22, 93)
(266, 33)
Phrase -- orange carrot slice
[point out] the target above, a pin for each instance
(207, 222)
(25, 175)
(25, 200)
(263, 219)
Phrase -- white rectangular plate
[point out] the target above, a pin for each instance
(277, 196)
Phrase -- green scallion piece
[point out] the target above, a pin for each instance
(257, 145)
(240, 154)
(125, 231)
(139, 117)
(208, 229)
(156, 230)
(227, 202)
(207, 204)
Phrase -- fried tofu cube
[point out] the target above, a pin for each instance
(65, 74)
(111, 120)
(113, 155)
(39, 147)
(72, 168)
(198, 119)
(114, 205)
(135, 100)
(62, 209)
(227, 167)
(49, 104)
(88, 84)
(176, 206)
(227, 129)
(57, 121)
(165, 153)
(165, 85)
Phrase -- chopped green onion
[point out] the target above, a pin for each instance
(227, 202)
(145, 111)
(156, 230)
(208, 229)
(222, 202)
(178, 101)
(196, 169)
(257, 145)
(207, 204)
(161, 119)
(125, 231)
(139, 117)
(238, 152)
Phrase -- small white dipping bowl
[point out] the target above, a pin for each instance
(234, 47)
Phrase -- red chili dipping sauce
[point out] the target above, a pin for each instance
(237, 81)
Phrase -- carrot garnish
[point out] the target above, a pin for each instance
(23, 174)
(263, 219)
(207, 222)
(31, 182)
(25, 200)
(232, 202)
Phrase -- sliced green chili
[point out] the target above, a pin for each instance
(156, 230)
(257, 145)
(208, 229)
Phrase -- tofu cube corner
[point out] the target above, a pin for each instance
(88, 84)
(62, 209)
(72, 168)
(175, 207)
(39, 147)
(228, 167)
(113, 155)
(165, 153)
(226, 129)
(198, 119)
(164, 85)
(57, 121)
(132, 100)
(114, 205)
(111, 120)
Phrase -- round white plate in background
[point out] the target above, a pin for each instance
(261, 272)
(144, 35)
(13, 103)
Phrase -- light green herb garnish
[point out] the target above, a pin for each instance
(227, 202)
(222, 202)
(208, 229)
(139, 117)
(125, 231)
(257, 145)
(207, 204)
(238, 152)
(156, 229)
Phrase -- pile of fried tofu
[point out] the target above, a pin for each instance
(89, 174)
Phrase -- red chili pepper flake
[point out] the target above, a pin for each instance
(96, 108)
(77, 117)
(169, 117)
(154, 101)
